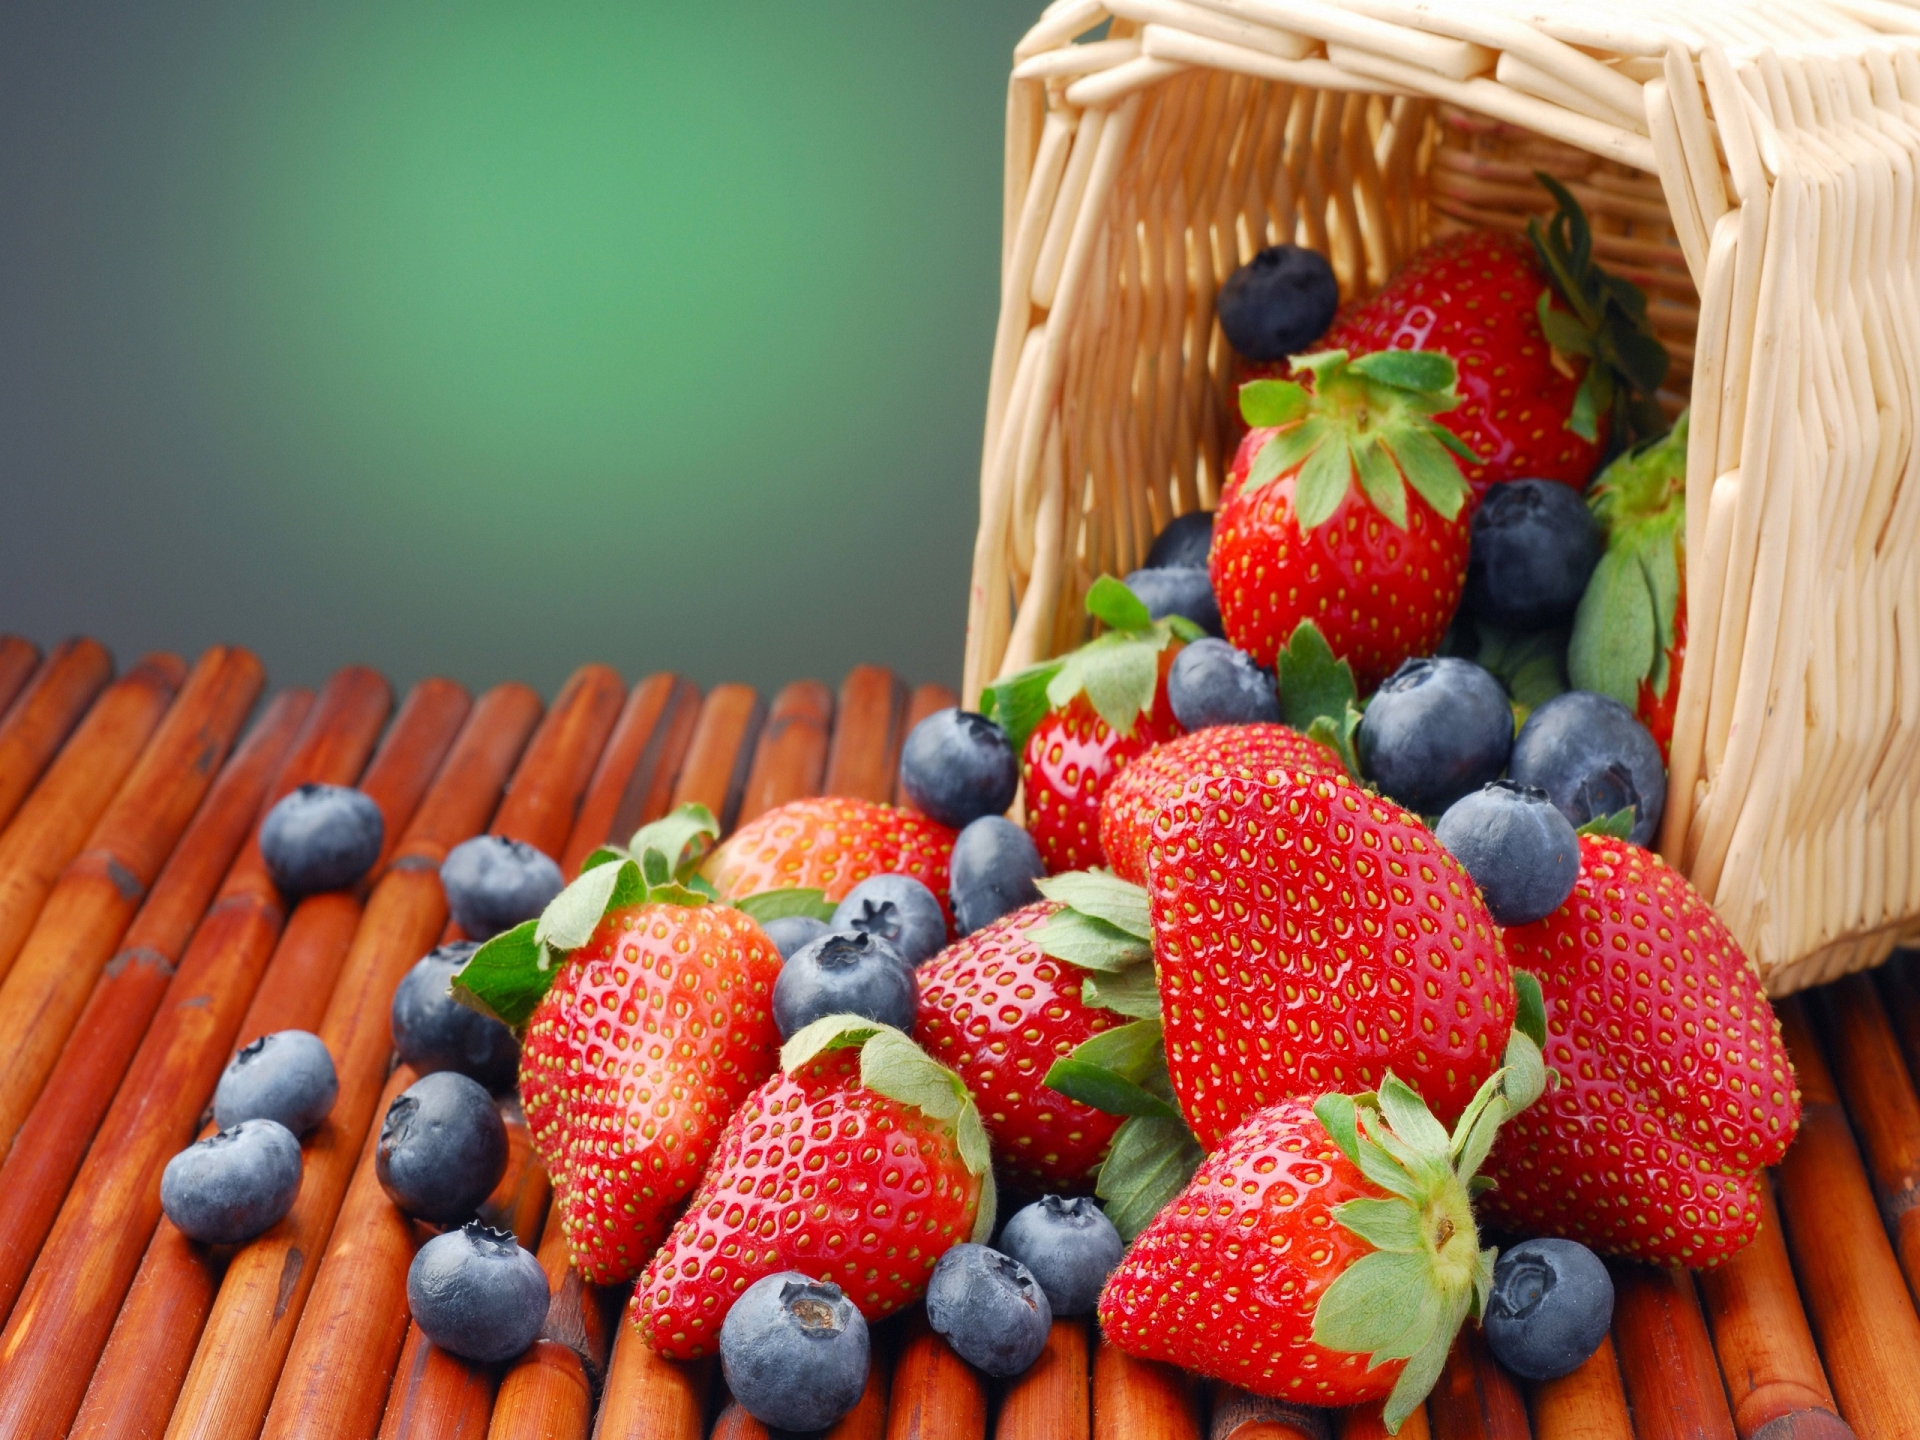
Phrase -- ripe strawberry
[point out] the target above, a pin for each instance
(1311, 936)
(1250, 752)
(862, 1162)
(1630, 635)
(830, 843)
(1000, 1011)
(1675, 1089)
(1324, 1254)
(1315, 522)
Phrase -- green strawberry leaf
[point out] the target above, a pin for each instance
(1149, 1163)
(1265, 403)
(1422, 1372)
(1338, 1116)
(507, 976)
(1313, 681)
(1105, 1091)
(829, 1032)
(1104, 896)
(1324, 479)
(574, 914)
(784, 904)
(605, 855)
(1418, 370)
(1431, 470)
(676, 843)
(1091, 943)
(1530, 1005)
(1284, 452)
(1119, 678)
(1562, 330)
(1531, 664)
(1133, 992)
(1613, 644)
(1132, 1052)
(1379, 478)
(1377, 1300)
(1019, 702)
(1122, 1071)
(1111, 603)
(1384, 1224)
(1661, 567)
(1337, 736)
(1617, 826)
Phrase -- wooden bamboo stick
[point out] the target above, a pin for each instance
(790, 759)
(1475, 1399)
(1367, 1422)
(633, 783)
(1760, 1332)
(1862, 1314)
(19, 658)
(1052, 1400)
(648, 1398)
(50, 1145)
(1666, 1357)
(57, 817)
(736, 1424)
(548, 789)
(1881, 1102)
(94, 901)
(936, 1394)
(868, 1418)
(41, 717)
(865, 755)
(1589, 1404)
(714, 773)
(1142, 1399)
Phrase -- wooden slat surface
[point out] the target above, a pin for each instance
(41, 717)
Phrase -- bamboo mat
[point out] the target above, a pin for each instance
(140, 943)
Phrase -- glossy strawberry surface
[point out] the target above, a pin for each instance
(998, 1012)
(652, 1033)
(831, 843)
(1071, 758)
(1145, 786)
(817, 1174)
(1674, 1090)
(1311, 936)
(1225, 1280)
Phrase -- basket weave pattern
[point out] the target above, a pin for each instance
(1751, 166)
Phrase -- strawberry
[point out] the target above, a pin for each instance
(1079, 721)
(648, 1015)
(1310, 936)
(861, 1162)
(830, 844)
(1326, 1253)
(1315, 522)
(1249, 752)
(1630, 634)
(1000, 1011)
(1675, 1090)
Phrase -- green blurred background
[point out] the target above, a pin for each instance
(487, 338)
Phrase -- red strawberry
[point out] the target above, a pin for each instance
(1250, 752)
(830, 844)
(1630, 635)
(862, 1162)
(1000, 1012)
(1325, 1255)
(1311, 936)
(1675, 1090)
(1315, 522)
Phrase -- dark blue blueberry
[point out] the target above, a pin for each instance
(793, 933)
(1178, 590)
(1519, 850)
(321, 837)
(1211, 683)
(433, 1031)
(992, 871)
(1278, 303)
(1434, 731)
(842, 974)
(476, 1294)
(794, 1351)
(899, 910)
(1069, 1245)
(957, 766)
(286, 1076)
(494, 883)
(1593, 759)
(1535, 544)
(990, 1309)
(1185, 542)
(234, 1185)
(1551, 1304)
(443, 1147)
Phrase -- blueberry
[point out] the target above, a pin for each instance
(286, 1076)
(990, 1308)
(992, 871)
(234, 1185)
(792, 933)
(899, 910)
(476, 1294)
(1278, 303)
(1435, 730)
(321, 837)
(840, 974)
(794, 1351)
(957, 766)
(494, 883)
(443, 1147)
(433, 1031)
(1069, 1245)
(1185, 542)
(1178, 590)
(1519, 850)
(1211, 683)
(1593, 759)
(1535, 544)
(1551, 1304)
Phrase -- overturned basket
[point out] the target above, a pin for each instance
(1750, 165)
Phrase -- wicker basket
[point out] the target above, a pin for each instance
(1749, 163)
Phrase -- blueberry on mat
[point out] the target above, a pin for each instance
(1518, 848)
(794, 1351)
(433, 1031)
(443, 1147)
(1178, 590)
(957, 766)
(1535, 544)
(845, 974)
(992, 872)
(1211, 683)
(1433, 731)
(286, 1076)
(477, 1294)
(1185, 542)
(1069, 1245)
(990, 1308)
(1278, 303)
(1551, 1304)
(897, 909)
(321, 837)
(494, 883)
(793, 933)
(1594, 759)
(233, 1185)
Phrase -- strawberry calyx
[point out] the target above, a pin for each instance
(1427, 1273)
(1318, 696)
(1626, 627)
(1118, 671)
(1370, 418)
(893, 1066)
